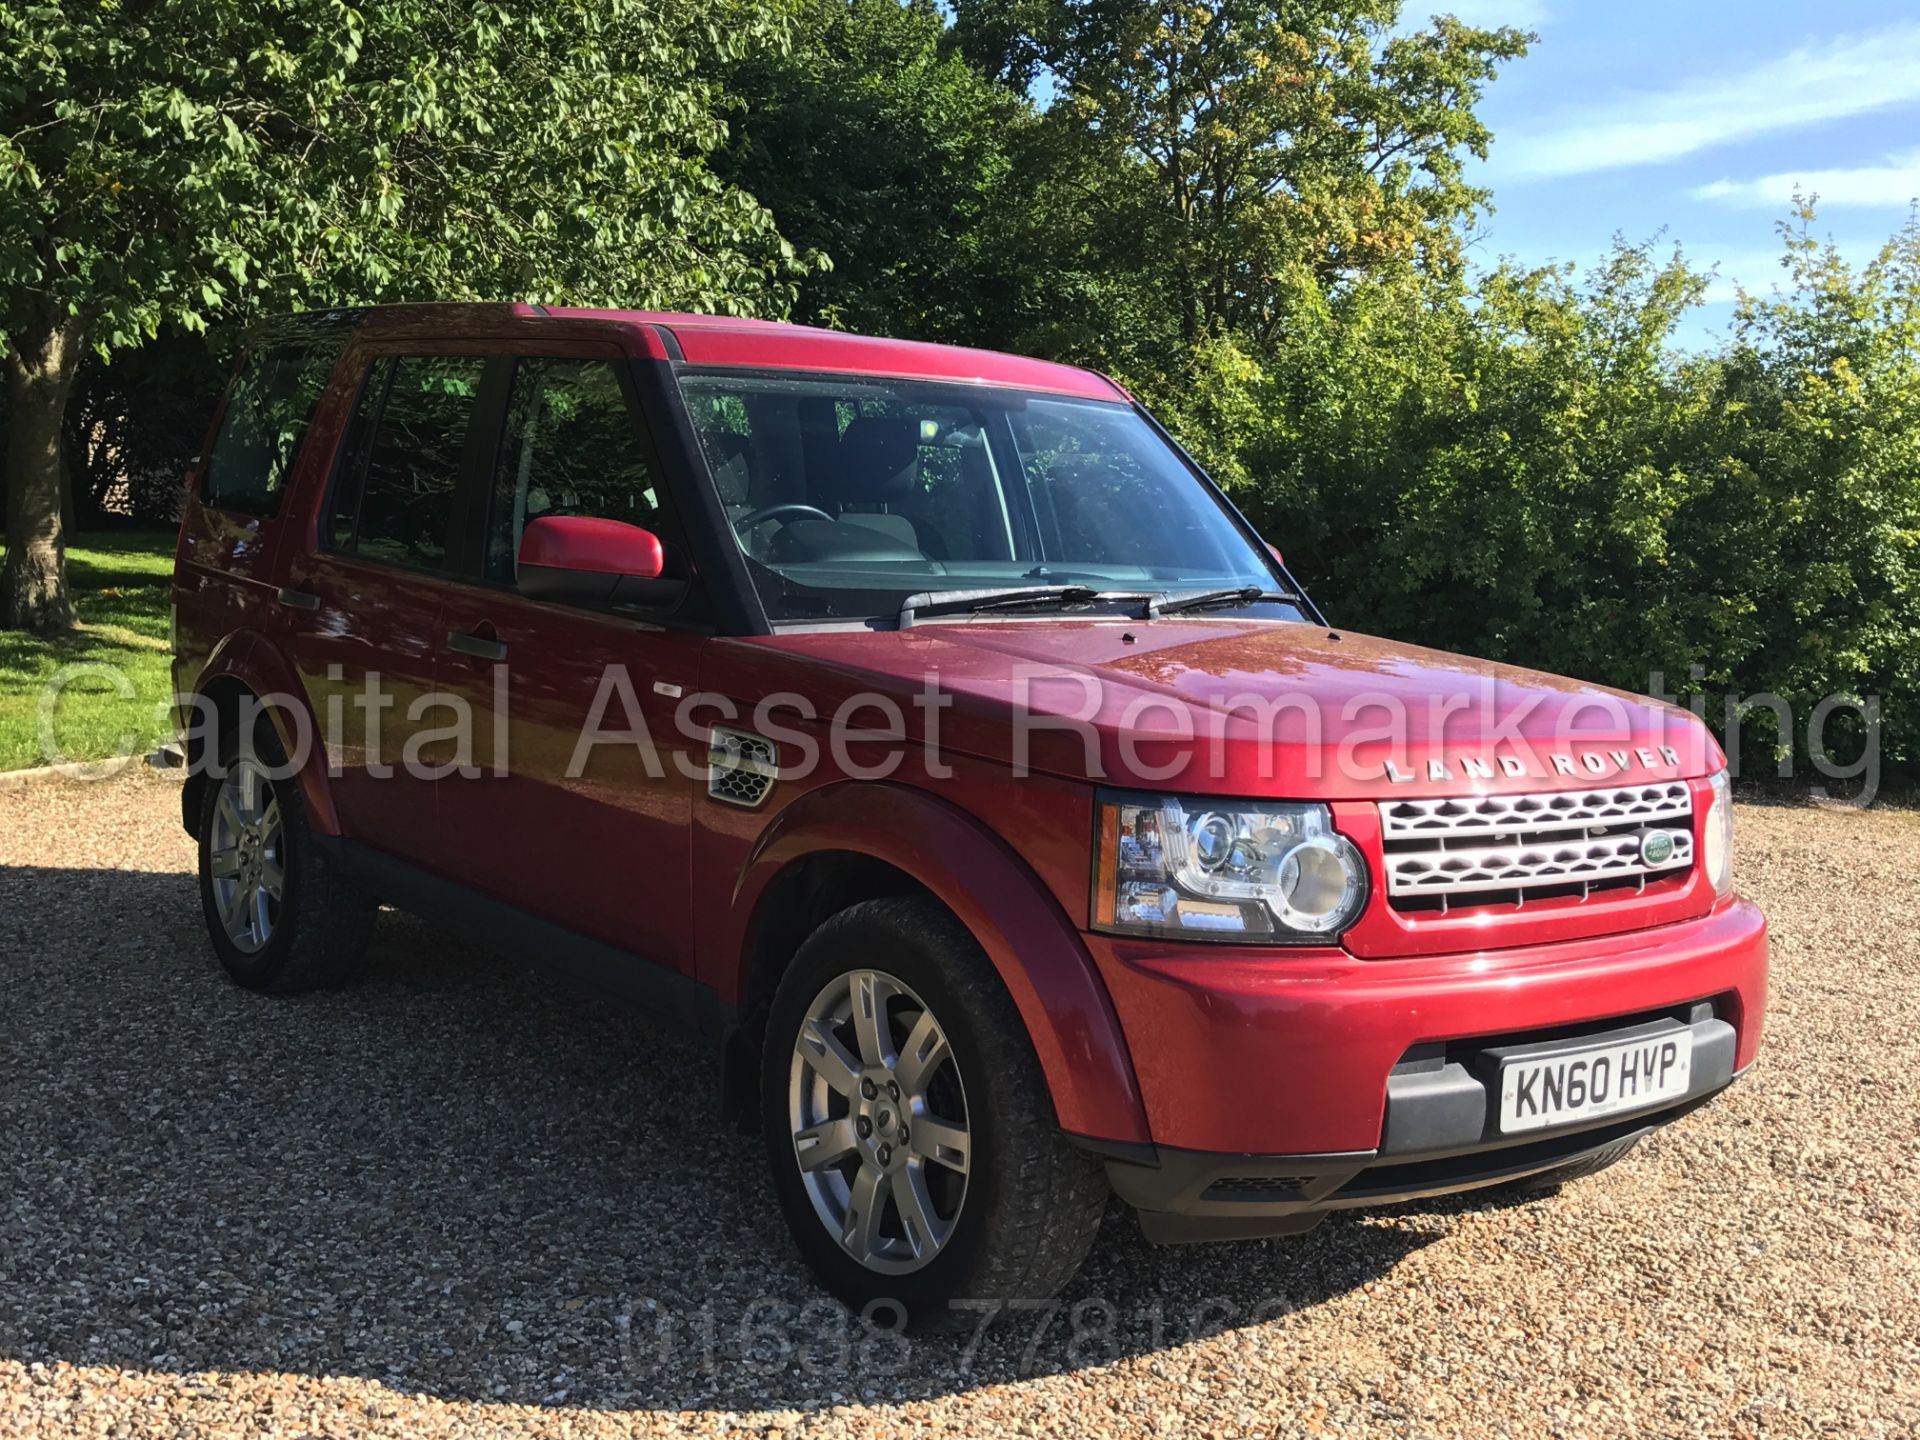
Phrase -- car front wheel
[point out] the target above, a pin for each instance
(913, 1144)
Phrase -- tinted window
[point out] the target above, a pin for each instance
(344, 510)
(571, 447)
(1096, 489)
(396, 495)
(267, 412)
(849, 494)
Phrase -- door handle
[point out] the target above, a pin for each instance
(299, 599)
(478, 646)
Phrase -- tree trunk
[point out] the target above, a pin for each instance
(40, 371)
(69, 522)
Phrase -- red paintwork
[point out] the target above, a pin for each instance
(582, 542)
(605, 850)
(800, 347)
(1245, 1050)
(1206, 1046)
(247, 658)
(338, 654)
(1173, 704)
(1032, 942)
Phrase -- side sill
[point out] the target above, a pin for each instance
(669, 997)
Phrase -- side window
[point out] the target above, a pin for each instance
(394, 499)
(571, 447)
(343, 512)
(267, 413)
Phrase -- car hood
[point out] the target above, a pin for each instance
(1249, 707)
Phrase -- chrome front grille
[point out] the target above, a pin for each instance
(1487, 849)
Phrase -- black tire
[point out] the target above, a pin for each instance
(1032, 1202)
(1549, 1180)
(322, 921)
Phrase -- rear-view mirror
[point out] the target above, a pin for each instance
(581, 557)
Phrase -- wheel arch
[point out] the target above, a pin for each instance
(853, 841)
(248, 665)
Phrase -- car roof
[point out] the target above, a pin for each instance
(733, 342)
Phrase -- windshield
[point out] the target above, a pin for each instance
(849, 495)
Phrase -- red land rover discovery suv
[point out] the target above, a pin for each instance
(925, 727)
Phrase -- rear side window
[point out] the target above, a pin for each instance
(268, 409)
(395, 498)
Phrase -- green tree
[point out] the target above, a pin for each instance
(1533, 469)
(1808, 552)
(875, 148)
(189, 160)
(1493, 469)
(1243, 140)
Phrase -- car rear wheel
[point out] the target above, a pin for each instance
(280, 914)
(912, 1141)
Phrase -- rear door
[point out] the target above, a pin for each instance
(593, 836)
(362, 609)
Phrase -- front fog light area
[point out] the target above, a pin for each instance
(1237, 871)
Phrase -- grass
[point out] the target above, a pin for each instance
(120, 599)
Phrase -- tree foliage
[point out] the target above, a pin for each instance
(873, 146)
(179, 162)
(1534, 470)
(1259, 139)
(1255, 215)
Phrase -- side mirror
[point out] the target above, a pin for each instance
(579, 557)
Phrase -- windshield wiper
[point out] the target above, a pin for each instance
(1167, 604)
(993, 598)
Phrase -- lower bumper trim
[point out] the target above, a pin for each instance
(1440, 1138)
(1385, 1184)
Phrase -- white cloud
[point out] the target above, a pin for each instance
(1896, 184)
(1846, 76)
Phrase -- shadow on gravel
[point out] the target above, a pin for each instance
(462, 1180)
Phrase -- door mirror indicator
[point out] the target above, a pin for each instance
(582, 557)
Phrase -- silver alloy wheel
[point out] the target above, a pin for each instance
(879, 1121)
(246, 856)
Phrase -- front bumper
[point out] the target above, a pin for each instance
(1364, 1082)
(1439, 1137)
(1268, 1052)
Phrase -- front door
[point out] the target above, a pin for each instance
(584, 819)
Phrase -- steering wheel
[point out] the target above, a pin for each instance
(774, 512)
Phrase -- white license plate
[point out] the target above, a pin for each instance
(1580, 1084)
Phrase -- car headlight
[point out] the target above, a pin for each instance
(1716, 850)
(1223, 870)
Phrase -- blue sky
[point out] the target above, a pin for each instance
(1699, 116)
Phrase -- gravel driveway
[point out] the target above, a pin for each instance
(459, 1201)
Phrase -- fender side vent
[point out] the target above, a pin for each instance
(741, 768)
